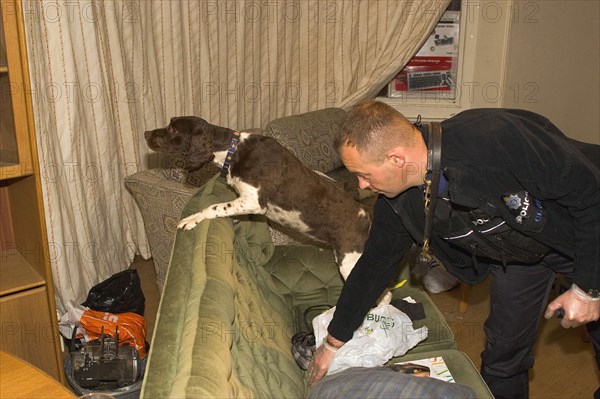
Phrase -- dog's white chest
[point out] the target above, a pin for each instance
(219, 158)
(248, 199)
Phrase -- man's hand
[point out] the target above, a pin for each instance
(321, 361)
(579, 308)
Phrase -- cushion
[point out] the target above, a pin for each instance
(440, 335)
(309, 137)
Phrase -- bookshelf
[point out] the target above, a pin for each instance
(28, 321)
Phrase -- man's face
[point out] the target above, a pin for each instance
(387, 177)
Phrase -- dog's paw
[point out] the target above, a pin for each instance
(189, 222)
(186, 225)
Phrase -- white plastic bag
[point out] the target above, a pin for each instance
(386, 332)
(70, 320)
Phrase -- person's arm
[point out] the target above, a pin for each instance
(577, 188)
(376, 268)
(582, 198)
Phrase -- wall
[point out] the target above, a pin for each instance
(480, 84)
(553, 63)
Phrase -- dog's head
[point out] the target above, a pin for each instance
(189, 136)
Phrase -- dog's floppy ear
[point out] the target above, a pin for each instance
(218, 131)
(199, 153)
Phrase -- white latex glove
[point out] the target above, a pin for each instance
(317, 369)
(579, 308)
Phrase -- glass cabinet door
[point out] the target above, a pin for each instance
(9, 154)
(15, 151)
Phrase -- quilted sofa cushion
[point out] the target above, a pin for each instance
(306, 276)
(224, 329)
(309, 137)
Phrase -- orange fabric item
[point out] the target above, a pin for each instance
(132, 327)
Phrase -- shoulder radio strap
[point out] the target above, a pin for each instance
(432, 183)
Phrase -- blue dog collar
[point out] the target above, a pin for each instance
(231, 149)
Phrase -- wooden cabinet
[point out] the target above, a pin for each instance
(28, 320)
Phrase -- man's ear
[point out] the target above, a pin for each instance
(396, 158)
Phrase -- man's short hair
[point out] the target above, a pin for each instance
(373, 128)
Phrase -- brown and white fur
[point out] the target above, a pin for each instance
(270, 181)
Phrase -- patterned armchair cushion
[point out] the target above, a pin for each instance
(309, 137)
(160, 201)
(173, 168)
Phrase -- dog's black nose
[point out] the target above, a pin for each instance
(147, 134)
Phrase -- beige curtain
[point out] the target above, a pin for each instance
(102, 72)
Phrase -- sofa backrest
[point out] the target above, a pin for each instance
(222, 311)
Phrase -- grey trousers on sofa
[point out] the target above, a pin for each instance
(383, 382)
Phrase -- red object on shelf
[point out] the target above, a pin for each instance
(425, 73)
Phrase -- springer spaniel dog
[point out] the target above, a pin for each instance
(270, 181)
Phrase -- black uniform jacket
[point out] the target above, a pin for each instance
(491, 158)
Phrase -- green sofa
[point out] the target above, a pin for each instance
(232, 300)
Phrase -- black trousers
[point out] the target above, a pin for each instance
(518, 299)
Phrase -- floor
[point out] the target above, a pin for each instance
(564, 368)
(565, 365)
(145, 269)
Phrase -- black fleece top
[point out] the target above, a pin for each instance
(487, 156)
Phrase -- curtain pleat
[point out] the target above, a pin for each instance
(103, 72)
